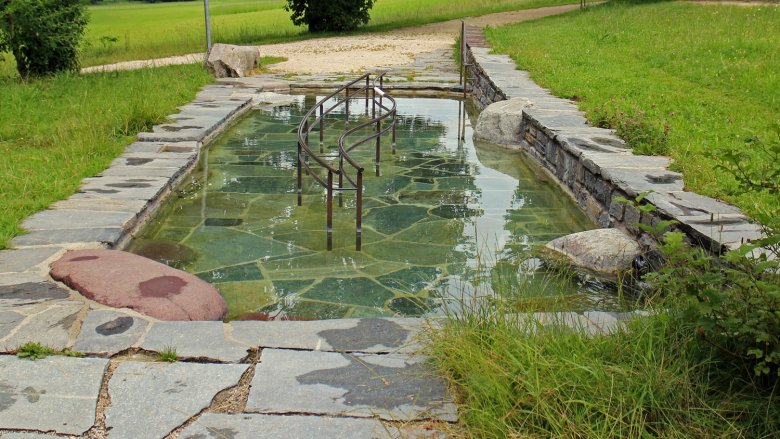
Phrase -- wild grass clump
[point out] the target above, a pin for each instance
(56, 131)
(515, 379)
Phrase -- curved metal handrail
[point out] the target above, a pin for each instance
(305, 152)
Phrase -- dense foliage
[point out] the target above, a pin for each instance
(331, 15)
(43, 35)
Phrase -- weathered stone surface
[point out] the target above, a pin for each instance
(607, 251)
(69, 236)
(146, 188)
(194, 340)
(227, 60)
(30, 293)
(215, 425)
(341, 335)
(51, 328)
(51, 394)
(8, 321)
(72, 219)
(107, 332)
(22, 278)
(394, 387)
(124, 280)
(151, 399)
(14, 261)
(25, 435)
(499, 123)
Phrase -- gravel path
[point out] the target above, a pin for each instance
(358, 52)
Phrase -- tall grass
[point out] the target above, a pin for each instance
(515, 378)
(56, 131)
(674, 78)
(128, 31)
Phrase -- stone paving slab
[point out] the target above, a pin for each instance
(149, 400)
(251, 426)
(342, 335)
(16, 261)
(194, 340)
(123, 188)
(107, 332)
(25, 435)
(30, 293)
(63, 237)
(21, 278)
(52, 394)
(392, 387)
(51, 328)
(77, 219)
(100, 205)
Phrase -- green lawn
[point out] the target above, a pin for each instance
(56, 131)
(145, 30)
(676, 78)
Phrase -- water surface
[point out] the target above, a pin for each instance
(446, 218)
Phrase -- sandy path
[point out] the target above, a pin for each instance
(358, 52)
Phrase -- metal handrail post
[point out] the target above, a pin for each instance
(359, 212)
(330, 211)
(322, 130)
(367, 85)
(300, 176)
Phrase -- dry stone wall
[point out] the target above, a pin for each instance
(596, 167)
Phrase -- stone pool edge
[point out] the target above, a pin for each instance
(596, 168)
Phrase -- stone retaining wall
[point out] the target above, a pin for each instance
(597, 168)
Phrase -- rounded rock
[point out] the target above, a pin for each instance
(125, 280)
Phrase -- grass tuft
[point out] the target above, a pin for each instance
(168, 355)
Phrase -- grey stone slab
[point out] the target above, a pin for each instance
(124, 188)
(22, 278)
(69, 236)
(106, 332)
(77, 219)
(30, 293)
(148, 147)
(8, 321)
(51, 394)
(250, 426)
(680, 204)
(149, 400)
(51, 328)
(15, 261)
(148, 161)
(732, 235)
(194, 340)
(635, 182)
(25, 435)
(341, 335)
(595, 161)
(141, 171)
(393, 387)
(100, 205)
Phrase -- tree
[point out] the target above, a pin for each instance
(43, 35)
(329, 15)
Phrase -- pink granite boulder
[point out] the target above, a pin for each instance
(124, 280)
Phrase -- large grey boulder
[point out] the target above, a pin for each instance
(229, 61)
(499, 123)
(605, 251)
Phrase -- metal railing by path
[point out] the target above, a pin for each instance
(349, 173)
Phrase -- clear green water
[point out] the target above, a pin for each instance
(446, 219)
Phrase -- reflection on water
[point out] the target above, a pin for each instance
(446, 218)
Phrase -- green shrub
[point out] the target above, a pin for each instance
(733, 300)
(43, 35)
(332, 15)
